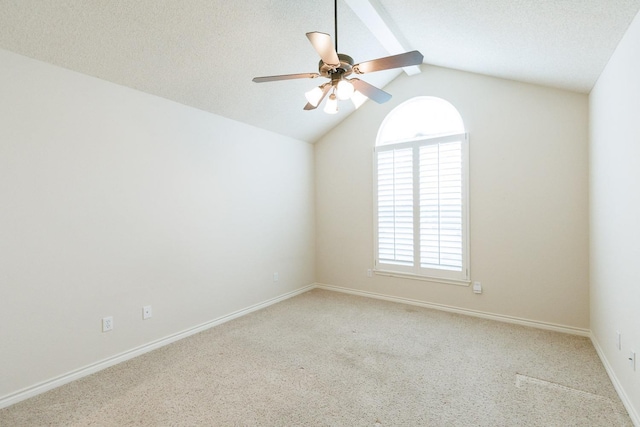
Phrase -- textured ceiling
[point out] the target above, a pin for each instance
(204, 53)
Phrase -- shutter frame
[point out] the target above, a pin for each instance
(452, 195)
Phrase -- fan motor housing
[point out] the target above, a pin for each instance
(344, 69)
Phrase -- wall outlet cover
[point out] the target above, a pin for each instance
(146, 312)
(477, 287)
(107, 324)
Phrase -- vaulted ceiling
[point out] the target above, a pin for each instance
(204, 53)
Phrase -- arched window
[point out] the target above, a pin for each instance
(421, 191)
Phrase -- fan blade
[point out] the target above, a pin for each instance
(325, 91)
(322, 44)
(396, 61)
(370, 91)
(286, 77)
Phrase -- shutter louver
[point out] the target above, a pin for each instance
(421, 194)
(395, 206)
(441, 206)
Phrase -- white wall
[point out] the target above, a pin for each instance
(528, 190)
(112, 199)
(615, 214)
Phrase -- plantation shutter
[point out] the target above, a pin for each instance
(395, 206)
(441, 244)
(421, 193)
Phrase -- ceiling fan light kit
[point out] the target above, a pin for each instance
(344, 89)
(315, 95)
(331, 107)
(337, 67)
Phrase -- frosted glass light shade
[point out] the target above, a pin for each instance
(314, 96)
(332, 105)
(344, 90)
(358, 99)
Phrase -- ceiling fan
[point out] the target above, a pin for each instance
(337, 67)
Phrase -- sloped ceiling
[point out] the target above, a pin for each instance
(204, 53)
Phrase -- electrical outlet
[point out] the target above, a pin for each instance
(146, 312)
(369, 273)
(477, 287)
(276, 277)
(632, 360)
(107, 324)
(619, 340)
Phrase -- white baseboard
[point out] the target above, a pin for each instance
(633, 413)
(499, 317)
(44, 386)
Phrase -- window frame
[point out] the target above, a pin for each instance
(416, 271)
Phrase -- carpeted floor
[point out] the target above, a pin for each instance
(330, 359)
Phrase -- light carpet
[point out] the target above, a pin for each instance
(329, 359)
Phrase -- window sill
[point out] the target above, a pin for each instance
(422, 278)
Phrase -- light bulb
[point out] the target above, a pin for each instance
(344, 90)
(358, 99)
(331, 106)
(314, 96)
